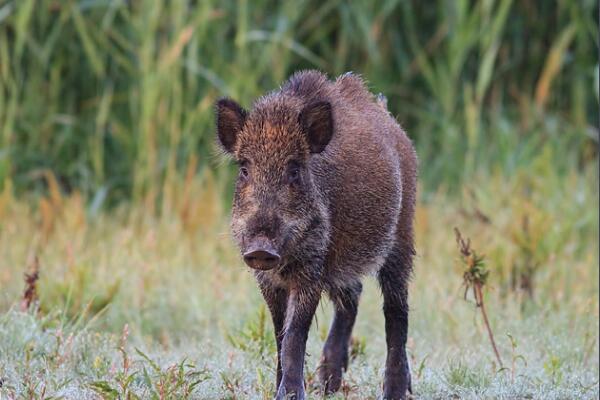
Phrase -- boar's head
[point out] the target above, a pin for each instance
(276, 202)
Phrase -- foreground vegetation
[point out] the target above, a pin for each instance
(130, 304)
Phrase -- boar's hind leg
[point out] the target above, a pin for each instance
(393, 279)
(335, 351)
(302, 304)
(276, 299)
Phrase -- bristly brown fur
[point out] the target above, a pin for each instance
(348, 213)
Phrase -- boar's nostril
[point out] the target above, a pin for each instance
(261, 259)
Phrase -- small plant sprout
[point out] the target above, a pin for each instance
(514, 357)
(358, 347)
(553, 367)
(254, 337)
(475, 277)
(421, 368)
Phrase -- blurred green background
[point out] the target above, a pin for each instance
(115, 97)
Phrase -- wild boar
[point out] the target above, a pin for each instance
(324, 196)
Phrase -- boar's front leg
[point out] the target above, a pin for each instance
(335, 352)
(302, 303)
(276, 299)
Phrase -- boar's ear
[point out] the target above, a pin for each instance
(230, 120)
(317, 121)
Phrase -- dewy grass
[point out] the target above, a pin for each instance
(197, 327)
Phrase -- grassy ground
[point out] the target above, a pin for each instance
(130, 305)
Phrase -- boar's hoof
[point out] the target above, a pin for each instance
(395, 393)
(330, 372)
(290, 392)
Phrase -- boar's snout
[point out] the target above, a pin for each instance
(261, 255)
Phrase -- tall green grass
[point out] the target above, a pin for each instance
(115, 97)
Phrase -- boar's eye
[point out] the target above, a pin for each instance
(293, 173)
(243, 173)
